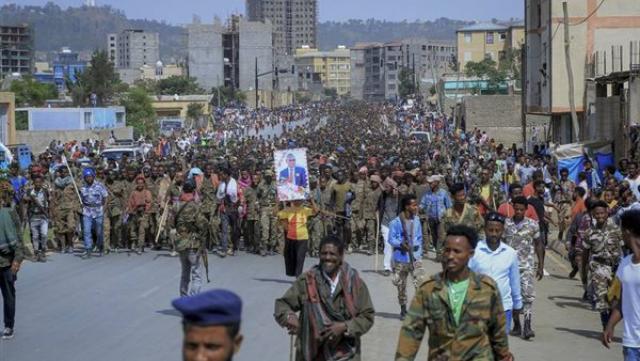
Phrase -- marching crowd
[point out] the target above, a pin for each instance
(479, 207)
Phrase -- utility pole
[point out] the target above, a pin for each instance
(523, 95)
(567, 54)
(256, 83)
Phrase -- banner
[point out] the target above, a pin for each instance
(293, 175)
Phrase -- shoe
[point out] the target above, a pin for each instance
(86, 255)
(516, 330)
(173, 254)
(263, 253)
(7, 334)
(573, 273)
(585, 296)
(386, 273)
(100, 254)
(138, 252)
(403, 311)
(527, 332)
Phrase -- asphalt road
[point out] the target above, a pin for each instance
(118, 308)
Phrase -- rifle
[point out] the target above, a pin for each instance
(205, 261)
(163, 219)
(412, 259)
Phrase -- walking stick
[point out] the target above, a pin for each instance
(375, 258)
(163, 219)
(73, 179)
(291, 348)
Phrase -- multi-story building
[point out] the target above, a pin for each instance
(226, 55)
(17, 52)
(594, 28)
(67, 65)
(294, 22)
(133, 48)
(332, 68)
(430, 59)
(487, 41)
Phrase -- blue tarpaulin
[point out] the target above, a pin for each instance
(572, 156)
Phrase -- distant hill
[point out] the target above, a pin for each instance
(86, 28)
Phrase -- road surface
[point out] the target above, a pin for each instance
(118, 308)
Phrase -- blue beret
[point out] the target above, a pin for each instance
(211, 308)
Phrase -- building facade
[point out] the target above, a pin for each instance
(332, 68)
(487, 41)
(430, 59)
(133, 48)
(595, 29)
(225, 55)
(17, 52)
(67, 65)
(294, 22)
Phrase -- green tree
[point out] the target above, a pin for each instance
(407, 83)
(30, 93)
(180, 85)
(100, 78)
(140, 113)
(487, 69)
(331, 93)
(227, 94)
(195, 111)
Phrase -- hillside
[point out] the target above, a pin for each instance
(86, 28)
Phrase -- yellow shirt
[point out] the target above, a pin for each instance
(296, 222)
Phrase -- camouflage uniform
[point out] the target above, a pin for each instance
(66, 207)
(113, 216)
(268, 220)
(370, 209)
(209, 211)
(189, 222)
(496, 195)
(480, 335)
(357, 221)
(522, 238)
(138, 221)
(251, 229)
(320, 225)
(154, 212)
(605, 246)
(469, 217)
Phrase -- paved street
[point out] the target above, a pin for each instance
(118, 308)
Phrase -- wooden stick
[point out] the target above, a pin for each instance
(292, 341)
(163, 219)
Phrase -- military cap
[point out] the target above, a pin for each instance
(211, 308)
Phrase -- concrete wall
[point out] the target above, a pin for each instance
(357, 74)
(498, 115)
(205, 54)
(7, 118)
(255, 42)
(40, 140)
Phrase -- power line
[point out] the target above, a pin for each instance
(590, 15)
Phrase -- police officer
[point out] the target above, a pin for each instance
(211, 325)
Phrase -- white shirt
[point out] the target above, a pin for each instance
(333, 283)
(629, 275)
(502, 266)
(232, 190)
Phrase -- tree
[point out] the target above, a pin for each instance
(180, 85)
(195, 111)
(331, 93)
(487, 69)
(30, 93)
(100, 78)
(227, 95)
(140, 113)
(407, 83)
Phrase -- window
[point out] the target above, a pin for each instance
(467, 37)
(503, 36)
(489, 38)
(489, 56)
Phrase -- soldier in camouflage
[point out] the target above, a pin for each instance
(405, 236)
(603, 245)
(487, 193)
(66, 207)
(268, 220)
(251, 225)
(360, 186)
(523, 235)
(461, 213)
(113, 213)
(370, 212)
(461, 310)
(189, 222)
(209, 204)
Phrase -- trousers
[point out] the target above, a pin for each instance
(294, 254)
(39, 229)
(191, 274)
(401, 272)
(388, 249)
(7, 286)
(90, 224)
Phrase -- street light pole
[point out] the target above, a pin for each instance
(256, 83)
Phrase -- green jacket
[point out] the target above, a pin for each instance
(294, 299)
(189, 221)
(17, 251)
(481, 334)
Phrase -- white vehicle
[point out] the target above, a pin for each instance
(420, 137)
(118, 153)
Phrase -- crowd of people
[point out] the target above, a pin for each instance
(374, 185)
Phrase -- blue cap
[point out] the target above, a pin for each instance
(211, 308)
(88, 172)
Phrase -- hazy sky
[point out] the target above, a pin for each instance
(180, 12)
